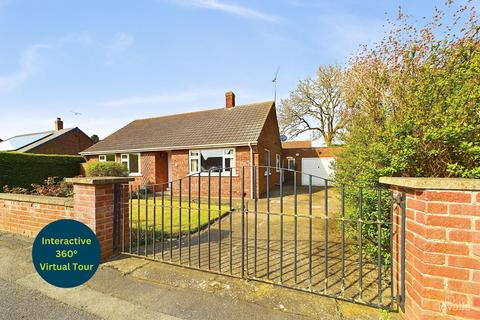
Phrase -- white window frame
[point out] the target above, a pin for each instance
(232, 157)
(194, 157)
(278, 160)
(289, 161)
(125, 158)
(103, 157)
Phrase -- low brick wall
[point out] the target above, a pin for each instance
(27, 214)
(92, 204)
(442, 275)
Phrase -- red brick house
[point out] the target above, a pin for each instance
(169, 148)
(162, 149)
(58, 141)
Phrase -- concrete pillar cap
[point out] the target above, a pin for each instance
(98, 180)
(433, 183)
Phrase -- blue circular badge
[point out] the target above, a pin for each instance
(66, 253)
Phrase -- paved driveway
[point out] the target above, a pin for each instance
(269, 257)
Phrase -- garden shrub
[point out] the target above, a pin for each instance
(24, 169)
(414, 109)
(52, 186)
(105, 169)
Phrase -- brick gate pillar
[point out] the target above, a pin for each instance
(93, 204)
(442, 276)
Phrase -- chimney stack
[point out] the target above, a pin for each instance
(58, 124)
(229, 99)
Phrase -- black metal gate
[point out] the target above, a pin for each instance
(333, 240)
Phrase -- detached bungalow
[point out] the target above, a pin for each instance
(168, 148)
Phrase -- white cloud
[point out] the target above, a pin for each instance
(164, 98)
(120, 43)
(229, 8)
(27, 66)
(30, 59)
(82, 38)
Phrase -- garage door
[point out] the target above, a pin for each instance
(319, 167)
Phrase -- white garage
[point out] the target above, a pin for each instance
(317, 167)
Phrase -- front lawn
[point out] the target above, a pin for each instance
(174, 220)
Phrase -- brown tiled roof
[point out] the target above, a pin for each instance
(297, 144)
(239, 125)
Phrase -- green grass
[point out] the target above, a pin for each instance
(174, 222)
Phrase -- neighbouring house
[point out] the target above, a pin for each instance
(230, 139)
(58, 141)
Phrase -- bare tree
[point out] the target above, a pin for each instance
(316, 106)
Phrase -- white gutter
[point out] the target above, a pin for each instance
(239, 144)
(251, 170)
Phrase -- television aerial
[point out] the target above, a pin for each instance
(275, 82)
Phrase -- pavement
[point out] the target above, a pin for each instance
(17, 302)
(133, 288)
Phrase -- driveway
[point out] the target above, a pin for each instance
(274, 253)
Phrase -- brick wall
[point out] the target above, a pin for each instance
(27, 215)
(92, 204)
(71, 142)
(147, 169)
(269, 139)
(442, 275)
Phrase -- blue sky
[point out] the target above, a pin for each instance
(116, 61)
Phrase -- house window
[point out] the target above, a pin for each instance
(278, 162)
(132, 162)
(194, 161)
(291, 163)
(267, 161)
(229, 159)
(213, 160)
(106, 157)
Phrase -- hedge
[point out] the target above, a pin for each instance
(23, 169)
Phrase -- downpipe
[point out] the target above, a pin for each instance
(251, 169)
